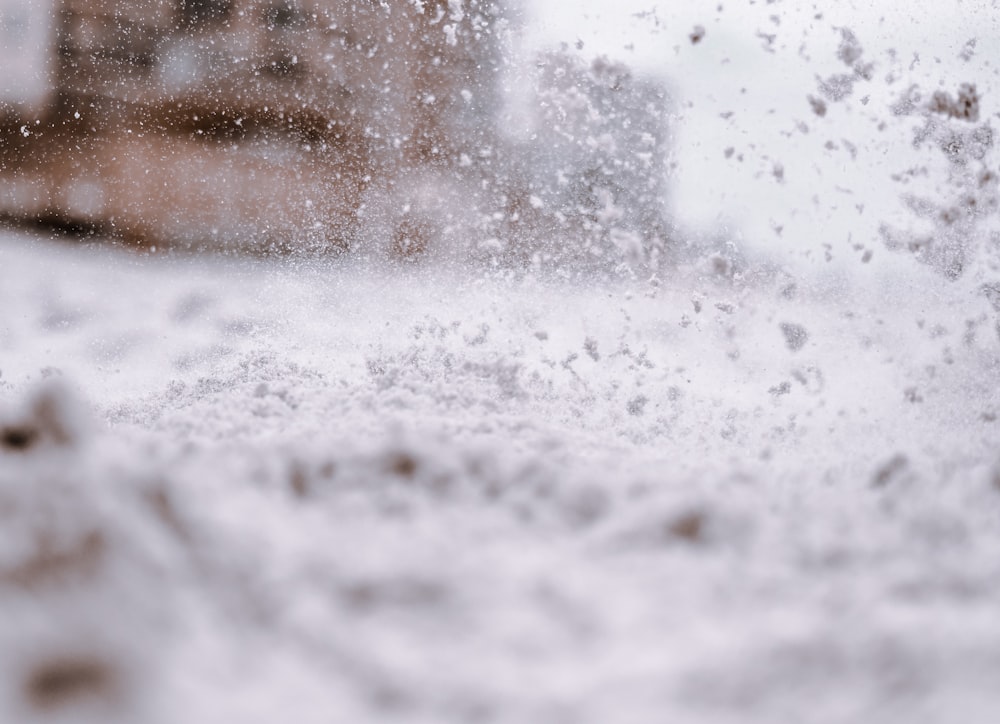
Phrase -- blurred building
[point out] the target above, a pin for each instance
(261, 125)
(246, 123)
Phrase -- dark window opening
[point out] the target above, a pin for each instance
(284, 66)
(280, 15)
(195, 13)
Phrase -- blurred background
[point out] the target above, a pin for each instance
(764, 150)
(540, 133)
(270, 125)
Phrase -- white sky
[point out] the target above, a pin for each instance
(731, 72)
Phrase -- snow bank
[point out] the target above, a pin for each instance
(266, 490)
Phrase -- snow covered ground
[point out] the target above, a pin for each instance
(319, 491)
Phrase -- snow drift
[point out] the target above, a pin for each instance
(241, 489)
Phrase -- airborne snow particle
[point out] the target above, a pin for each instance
(836, 87)
(968, 50)
(850, 50)
(992, 294)
(778, 390)
(637, 405)
(795, 335)
(818, 106)
(890, 470)
(697, 33)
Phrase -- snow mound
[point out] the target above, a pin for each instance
(254, 492)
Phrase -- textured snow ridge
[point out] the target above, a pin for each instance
(255, 492)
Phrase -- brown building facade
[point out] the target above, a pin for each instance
(252, 124)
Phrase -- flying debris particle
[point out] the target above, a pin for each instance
(907, 102)
(836, 87)
(637, 405)
(992, 294)
(649, 15)
(818, 106)
(17, 438)
(720, 265)
(964, 108)
(728, 153)
(796, 335)
(697, 34)
(778, 390)
(850, 50)
(689, 526)
(867, 256)
(70, 680)
(778, 171)
(968, 50)
(54, 416)
(890, 470)
(768, 39)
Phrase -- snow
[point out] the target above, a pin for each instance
(332, 490)
(753, 84)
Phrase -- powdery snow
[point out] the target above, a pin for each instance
(315, 491)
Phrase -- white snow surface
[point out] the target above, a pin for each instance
(319, 491)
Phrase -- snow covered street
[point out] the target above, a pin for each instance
(315, 490)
